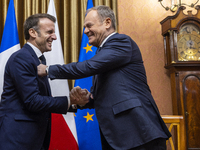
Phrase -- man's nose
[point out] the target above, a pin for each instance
(86, 30)
(54, 37)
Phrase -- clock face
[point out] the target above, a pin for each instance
(188, 45)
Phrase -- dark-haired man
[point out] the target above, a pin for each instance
(26, 102)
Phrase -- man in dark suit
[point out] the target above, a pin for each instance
(126, 111)
(26, 102)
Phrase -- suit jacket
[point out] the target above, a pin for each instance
(26, 104)
(126, 111)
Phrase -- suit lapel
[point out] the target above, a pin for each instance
(41, 79)
(31, 51)
(95, 77)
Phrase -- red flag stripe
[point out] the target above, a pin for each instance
(61, 136)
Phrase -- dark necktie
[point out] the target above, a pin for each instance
(98, 49)
(43, 60)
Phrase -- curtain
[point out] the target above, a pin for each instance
(70, 17)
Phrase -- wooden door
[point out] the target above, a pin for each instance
(190, 94)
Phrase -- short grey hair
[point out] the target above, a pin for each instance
(103, 13)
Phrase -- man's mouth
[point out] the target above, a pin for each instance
(90, 36)
(50, 42)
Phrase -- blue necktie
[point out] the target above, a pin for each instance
(98, 50)
(43, 60)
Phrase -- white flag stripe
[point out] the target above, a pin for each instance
(4, 56)
(69, 118)
(59, 87)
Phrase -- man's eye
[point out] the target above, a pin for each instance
(89, 26)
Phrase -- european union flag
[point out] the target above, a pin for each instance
(86, 122)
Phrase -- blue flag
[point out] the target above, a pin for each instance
(10, 40)
(86, 122)
(10, 34)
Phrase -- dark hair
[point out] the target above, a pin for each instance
(103, 13)
(32, 22)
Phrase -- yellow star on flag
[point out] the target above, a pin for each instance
(88, 48)
(88, 117)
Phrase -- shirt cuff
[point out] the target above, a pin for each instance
(47, 69)
(74, 106)
(68, 98)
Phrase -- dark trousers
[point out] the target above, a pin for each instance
(157, 144)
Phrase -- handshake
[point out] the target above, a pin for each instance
(79, 96)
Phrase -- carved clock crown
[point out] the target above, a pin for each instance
(181, 38)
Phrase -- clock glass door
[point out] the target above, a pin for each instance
(188, 43)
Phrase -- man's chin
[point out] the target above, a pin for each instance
(91, 42)
(48, 50)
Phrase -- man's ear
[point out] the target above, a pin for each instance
(32, 33)
(108, 22)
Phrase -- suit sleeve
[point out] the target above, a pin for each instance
(24, 74)
(115, 53)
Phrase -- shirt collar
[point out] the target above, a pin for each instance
(36, 50)
(106, 39)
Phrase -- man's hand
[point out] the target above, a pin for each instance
(42, 70)
(79, 96)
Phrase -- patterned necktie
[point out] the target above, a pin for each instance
(43, 60)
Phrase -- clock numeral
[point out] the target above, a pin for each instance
(184, 39)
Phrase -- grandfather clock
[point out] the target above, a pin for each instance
(181, 34)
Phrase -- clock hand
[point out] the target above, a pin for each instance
(190, 44)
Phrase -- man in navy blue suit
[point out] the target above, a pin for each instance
(126, 111)
(26, 102)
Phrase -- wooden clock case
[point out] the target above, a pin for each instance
(184, 75)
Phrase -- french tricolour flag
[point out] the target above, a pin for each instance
(10, 41)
